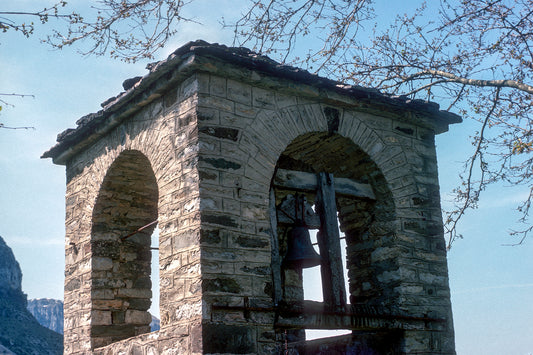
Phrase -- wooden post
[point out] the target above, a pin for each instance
(274, 244)
(329, 243)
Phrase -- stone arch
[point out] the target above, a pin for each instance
(271, 131)
(123, 220)
(366, 223)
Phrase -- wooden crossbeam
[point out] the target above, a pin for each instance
(302, 181)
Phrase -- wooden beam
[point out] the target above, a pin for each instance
(331, 270)
(299, 180)
(313, 315)
(286, 213)
(276, 259)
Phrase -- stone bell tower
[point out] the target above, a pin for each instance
(225, 150)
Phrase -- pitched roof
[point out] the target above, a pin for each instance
(139, 91)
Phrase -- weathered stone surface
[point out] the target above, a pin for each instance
(224, 285)
(137, 317)
(234, 339)
(194, 147)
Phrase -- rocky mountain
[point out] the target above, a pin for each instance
(154, 324)
(48, 312)
(20, 333)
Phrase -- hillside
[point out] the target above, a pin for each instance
(20, 332)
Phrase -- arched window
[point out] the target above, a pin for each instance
(343, 195)
(124, 217)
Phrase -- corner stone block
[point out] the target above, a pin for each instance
(233, 339)
(100, 263)
(134, 293)
(101, 317)
(239, 92)
(138, 317)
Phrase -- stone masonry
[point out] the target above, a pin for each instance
(198, 146)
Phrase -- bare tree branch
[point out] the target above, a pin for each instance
(127, 30)
(2, 125)
(470, 196)
(505, 83)
(22, 127)
(464, 53)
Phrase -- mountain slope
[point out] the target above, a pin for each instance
(48, 312)
(19, 330)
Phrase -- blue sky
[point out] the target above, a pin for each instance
(492, 285)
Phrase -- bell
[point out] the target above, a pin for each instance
(300, 251)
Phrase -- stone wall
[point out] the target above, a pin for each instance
(198, 154)
(396, 252)
(103, 300)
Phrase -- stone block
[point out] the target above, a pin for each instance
(193, 287)
(231, 206)
(186, 239)
(245, 111)
(249, 241)
(253, 269)
(137, 317)
(239, 92)
(208, 116)
(102, 263)
(217, 267)
(264, 99)
(283, 100)
(189, 87)
(222, 285)
(218, 103)
(217, 86)
(101, 317)
(134, 293)
(234, 339)
(254, 212)
(431, 279)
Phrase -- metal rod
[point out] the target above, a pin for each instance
(341, 238)
(139, 230)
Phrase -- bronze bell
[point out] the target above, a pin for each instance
(300, 251)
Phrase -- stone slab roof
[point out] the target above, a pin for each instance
(140, 91)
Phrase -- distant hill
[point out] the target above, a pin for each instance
(154, 325)
(20, 333)
(48, 312)
(33, 327)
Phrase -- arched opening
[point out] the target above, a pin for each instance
(124, 218)
(362, 216)
(154, 308)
